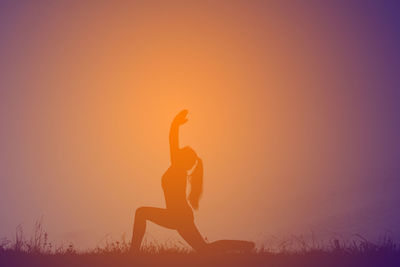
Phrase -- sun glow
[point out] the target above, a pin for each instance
(277, 111)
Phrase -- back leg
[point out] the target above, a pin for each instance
(192, 236)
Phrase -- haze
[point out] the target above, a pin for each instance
(293, 108)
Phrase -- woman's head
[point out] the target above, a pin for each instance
(187, 159)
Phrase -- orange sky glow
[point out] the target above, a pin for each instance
(276, 110)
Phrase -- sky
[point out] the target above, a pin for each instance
(293, 107)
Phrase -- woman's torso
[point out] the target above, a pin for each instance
(174, 186)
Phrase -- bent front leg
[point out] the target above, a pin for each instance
(142, 214)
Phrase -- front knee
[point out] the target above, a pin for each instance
(140, 213)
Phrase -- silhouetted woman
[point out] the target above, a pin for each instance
(178, 214)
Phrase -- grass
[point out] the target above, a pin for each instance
(38, 251)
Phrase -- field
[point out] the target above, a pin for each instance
(37, 251)
(377, 257)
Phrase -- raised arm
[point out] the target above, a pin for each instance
(174, 134)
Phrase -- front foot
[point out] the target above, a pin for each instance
(134, 251)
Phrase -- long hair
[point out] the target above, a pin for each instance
(196, 184)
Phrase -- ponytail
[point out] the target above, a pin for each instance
(196, 184)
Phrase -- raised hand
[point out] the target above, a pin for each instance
(180, 118)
